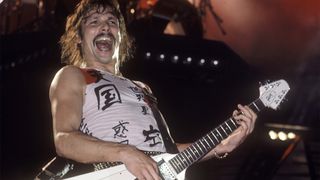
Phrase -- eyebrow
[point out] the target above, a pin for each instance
(90, 14)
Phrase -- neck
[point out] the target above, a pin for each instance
(110, 68)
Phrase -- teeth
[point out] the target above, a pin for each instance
(103, 38)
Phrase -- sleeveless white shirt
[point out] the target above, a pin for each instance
(115, 110)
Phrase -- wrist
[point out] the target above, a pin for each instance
(219, 156)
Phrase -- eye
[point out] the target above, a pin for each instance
(113, 22)
(93, 22)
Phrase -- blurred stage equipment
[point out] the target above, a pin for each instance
(18, 14)
(177, 17)
(206, 4)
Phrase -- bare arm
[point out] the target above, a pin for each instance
(66, 96)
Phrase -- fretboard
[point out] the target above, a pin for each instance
(202, 146)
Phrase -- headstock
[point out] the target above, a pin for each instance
(272, 94)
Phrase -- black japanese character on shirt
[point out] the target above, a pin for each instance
(97, 75)
(137, 91)
(152, 136)
(120, 129)
(107, 95)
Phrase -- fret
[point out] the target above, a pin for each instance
(191, 154)
(215, 137)
(224, 130)
(254, 104)
(208, 145)
(183, 153)
(207, 140)
(172, 163)
(199, 148)
(219, 134)
(195, 149)
(235, 125)
(214, 144)
(180, 166)
(177, 158)
(194, 155)
(229, 127)
(205, 148)
(182, 161)
(185, 162)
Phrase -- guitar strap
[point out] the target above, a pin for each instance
(168, 141)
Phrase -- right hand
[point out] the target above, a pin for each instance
(140, 165)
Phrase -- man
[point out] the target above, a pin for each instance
(97, 113)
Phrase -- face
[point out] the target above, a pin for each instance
(100, 38)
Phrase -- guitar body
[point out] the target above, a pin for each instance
(120, 172)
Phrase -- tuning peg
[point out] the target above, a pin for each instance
(264, 82)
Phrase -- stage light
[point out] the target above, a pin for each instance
(162, 56)
(273, 135)
(132, 11)
(201, 62)
(291, 135)
(188, 60)
(148, 55)
(175, 59)
(282, 136)
(214, 62)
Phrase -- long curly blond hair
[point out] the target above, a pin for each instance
(70, 49)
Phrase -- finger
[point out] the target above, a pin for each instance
(154, 171)
(235, 112)
(244, 122)
(253, 117)
(146, 174)
(245, 110)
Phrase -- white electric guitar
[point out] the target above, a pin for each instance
(173, 166)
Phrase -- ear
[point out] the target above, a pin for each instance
(78, 39)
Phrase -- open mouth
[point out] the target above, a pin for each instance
(104, 42)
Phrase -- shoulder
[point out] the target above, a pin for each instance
(68, 78)
(68, 70)
(68, 73)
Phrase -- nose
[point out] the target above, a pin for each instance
(105, 27)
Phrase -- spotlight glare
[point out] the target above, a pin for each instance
(282, 136)
(189, 59)
(148, 55)
(273, 135)
(132, 11)
(175, 59)
(162, 56)
(202, 61)
(291, 135)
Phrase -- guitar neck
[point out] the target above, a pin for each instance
(202, 146)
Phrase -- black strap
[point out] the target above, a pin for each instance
(168, 141)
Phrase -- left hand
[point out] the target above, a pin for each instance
(246, 118)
